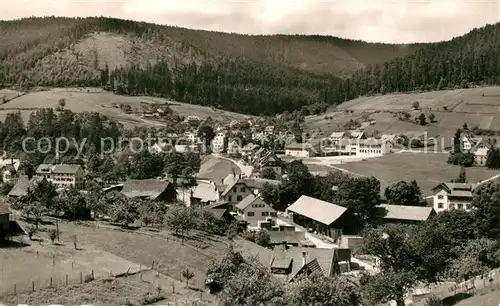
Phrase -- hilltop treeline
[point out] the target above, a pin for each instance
(242, 73)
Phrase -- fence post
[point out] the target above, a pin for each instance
(53, 259)
(50, 284)
(72, 265)
(36, 253)
(32, 285)
(173, 286)
(15, 289)
(153, 265)
(66, 279)
(81, 277)
(93, 277)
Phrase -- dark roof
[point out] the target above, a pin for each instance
(317, 260)
(59, 168)
(22, 185)
(151, 188)
(218, 213)
(216, 205)
(457, 189)
(4, 207)
(249, 199)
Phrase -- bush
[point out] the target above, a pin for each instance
(150, 299)
(31, 231)
(433, 300)
(52, 235)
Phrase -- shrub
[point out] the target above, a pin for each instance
(433, 300)
(31, 231)
(52, 235)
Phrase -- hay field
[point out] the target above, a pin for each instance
(428, 169)
(475, 106)
(97, 100)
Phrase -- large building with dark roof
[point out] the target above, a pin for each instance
(62, 175)
(150, 189)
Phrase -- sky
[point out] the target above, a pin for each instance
(397, 21)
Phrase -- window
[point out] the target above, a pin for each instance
(265, 214)
(250, 214)
(239, 198)
(440, 196)
(440, 205)
(242, 189)
(273, 214)
(460, 206)
(235, 189)
(229, 198)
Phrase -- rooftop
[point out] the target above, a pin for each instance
(4, 207)
(150, 188)
(318, 210)
(403, 212)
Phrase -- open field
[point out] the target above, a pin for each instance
(428, 169)
(215, 169)
(135, 289)
(96, 100)
(39, 262)
(462, 106)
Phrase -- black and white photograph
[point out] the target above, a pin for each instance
(250, 152)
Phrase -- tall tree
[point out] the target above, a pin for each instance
(361, 196)
(486, 208)
(404, 193)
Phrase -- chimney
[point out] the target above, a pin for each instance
(304, 258)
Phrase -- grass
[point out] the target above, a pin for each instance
(131, 290)
(96, 100)
(428, 169)
(463, 106)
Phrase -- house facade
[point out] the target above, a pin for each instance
(271, 161)
(253, 209)
(4, 216)
(449, 196)
(62, 175)
(218, 142)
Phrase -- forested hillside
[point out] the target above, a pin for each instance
(242, 73)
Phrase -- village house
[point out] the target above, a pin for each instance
(62, 175)
(253, 209)
(336, 136)
(453, 196)
(220, 211)
(150, 189)
(302, 150)
(250, 149)
(22, 185)
(404, 214)
(291, 263)
(323, 217)
(271, 161)
(193, 120)
(233, 148)
(234, 188)
(205, 193)
(9, 168)
(269, 130)
(218, 142)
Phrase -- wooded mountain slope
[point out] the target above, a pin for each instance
(243, 73)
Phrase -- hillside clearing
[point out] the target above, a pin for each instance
(215, 168)
(96, 100)
(428, 169)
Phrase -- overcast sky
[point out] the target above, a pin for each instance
(400, 21)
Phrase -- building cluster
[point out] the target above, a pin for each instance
(351, 143)
(476, 146)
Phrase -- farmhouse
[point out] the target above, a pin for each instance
(62, 175)
(453, 196)
(221, 211)
(324, 217)
(9, 169)
(291, 263)
(233, 148)
(22, 185)
(253, 209)
(150, 189)
(406, 214)
(270, 161)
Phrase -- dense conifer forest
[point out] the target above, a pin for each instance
(243, 73)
